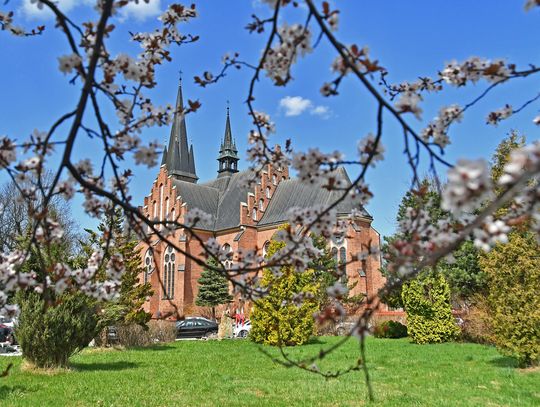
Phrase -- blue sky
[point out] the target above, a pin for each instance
(408, 38)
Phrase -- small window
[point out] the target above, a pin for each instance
(261, 204)
(274, 180)
(168, 273)
(268, 192)
(343, 264)
(148, 265)
(361, 273)
(254, 214)
(266, 246)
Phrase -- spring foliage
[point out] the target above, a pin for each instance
(275, 319)
(513, 271)
(429, 313)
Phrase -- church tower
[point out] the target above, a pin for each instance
(177, 156)
(228, 154)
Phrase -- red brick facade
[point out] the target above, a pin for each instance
(165, 201)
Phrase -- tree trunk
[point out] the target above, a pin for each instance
(213, 313)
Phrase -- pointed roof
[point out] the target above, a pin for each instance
(178, 157)
(228, 145)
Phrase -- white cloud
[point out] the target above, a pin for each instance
(140, 11)
(296, 105)
(322, 111)
(34, 12)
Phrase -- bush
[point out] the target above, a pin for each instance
(49, 334)
(275, 319)
(390, 329)
(513, 271)
(429, 314)
(476, 325)
(133, 335)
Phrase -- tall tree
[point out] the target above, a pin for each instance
(513, 278)
(132, 294)
(213, 288)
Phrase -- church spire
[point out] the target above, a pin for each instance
(178, 157)
(228, 154)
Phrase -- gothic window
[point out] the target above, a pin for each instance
(266, 246)
(254, 213)
(274, 180)
(167, 208)
(148, 265)
(168, 273)
(343, 264)
(228, 249)
(268, 192)
(261, 204)
(161, 203)
(335, 255)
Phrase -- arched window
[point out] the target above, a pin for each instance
(335, 255)
(161, 203)
(168, 273)
(343, 264)
(148, 265)
(229, 262)
(268, 192)
(167, 208)
(261, 204)
(266, 246)
(254, 213)
(274, 179)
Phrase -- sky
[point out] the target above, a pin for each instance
(410, 39)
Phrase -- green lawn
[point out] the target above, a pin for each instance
(235, 373)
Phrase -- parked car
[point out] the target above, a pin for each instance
(242, 330)
(6, 334)
(195, 327)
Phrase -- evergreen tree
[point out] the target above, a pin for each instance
(213, 288)
(324, 268)
(429, 313)
(513, 271)
(128, 308)
(464, 275)
(513, 278)
(276, 318)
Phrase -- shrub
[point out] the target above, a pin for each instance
(476, 326)
(429, 314)
(390, 329)
(49, 334)
(275, 319)
(513, 271)
(134, 335)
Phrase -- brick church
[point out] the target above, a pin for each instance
(242, 217)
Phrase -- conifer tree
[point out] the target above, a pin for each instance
(276, 318)
(133, 293)
(213, 288)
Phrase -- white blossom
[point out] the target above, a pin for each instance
(496, 116)
(69, 62)
(469, 183)
(368, 149)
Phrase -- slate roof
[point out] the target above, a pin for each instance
(222, 197)
(296, 193)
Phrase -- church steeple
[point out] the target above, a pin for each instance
(177, 156)
(228, 154)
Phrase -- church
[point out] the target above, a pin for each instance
(243, 217)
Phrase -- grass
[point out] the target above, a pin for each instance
(235, 373)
